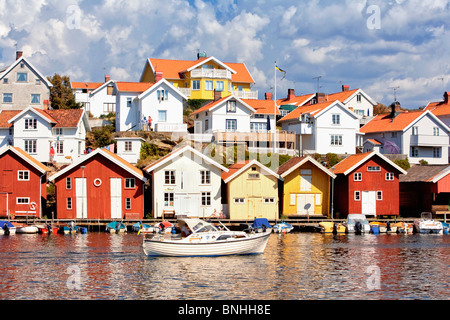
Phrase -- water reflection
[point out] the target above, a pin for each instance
(294, 266)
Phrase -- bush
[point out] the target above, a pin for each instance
(332, 159)
(403, 163)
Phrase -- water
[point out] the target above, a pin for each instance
(295, 266)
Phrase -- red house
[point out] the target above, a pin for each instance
(100, 186)
(23, 184)
(367, 183)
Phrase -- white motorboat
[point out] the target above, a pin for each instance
(25, 229)
(7, 228)
(426, 224)
(357, 223)
(283, 227)
(204, 240)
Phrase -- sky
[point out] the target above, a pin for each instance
(383, 47)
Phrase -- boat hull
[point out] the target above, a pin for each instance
(178, 248)
(27, 230)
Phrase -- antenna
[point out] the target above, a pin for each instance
(395, 92)
(318, 82)
(442, 79)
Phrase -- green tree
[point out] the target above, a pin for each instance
(61, 95)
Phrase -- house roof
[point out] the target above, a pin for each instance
(440, 108)
(180, 151)
(62, 118)
(133, 86)
(154, 86)
(25, 156)
(239, 167)
(86, 85)
(314, 110)
(296, 100)
(107, 154)
(352, 162)
(294, 163)
(428, 173)
(262, 106)
(374, 142)
(7, 70)
(6, 115)
(216, 103)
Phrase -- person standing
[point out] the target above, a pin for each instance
(144, 124)
(149, 123)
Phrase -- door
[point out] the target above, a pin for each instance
(4, 205)
(255, 208)
(116, 198)
(305, 204)
(369, 203)
(187, 204)
(81, 199)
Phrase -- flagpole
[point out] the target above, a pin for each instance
(275, 109)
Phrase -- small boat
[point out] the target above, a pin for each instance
(331, 227)
(427, 225)
(44, 228)
(142, 228)
(204, 240)
(163, 227)
(116, 227)
(258, 225)
(7, 228)
(25, 229)
(378, 227)
(67, 230)
(357, 223)
(445, 228)
(403, 227)
(283, 227)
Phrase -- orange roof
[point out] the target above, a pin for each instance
(374, 141)
(349, 162)
(31, 159)
(262, 106)
(296, 101)
(133, 86)
(5, 115)
(208, 106)
(341, 96)
(384, 123)
(85, 85)
(64, 118)
(311, 109)
(235, 167)
(124, 162)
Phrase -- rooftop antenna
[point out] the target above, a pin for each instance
(318, 82)
(395, 92)
(442, 79)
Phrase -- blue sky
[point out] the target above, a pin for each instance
(368, 44)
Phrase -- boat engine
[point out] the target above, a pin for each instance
(6, 229)
(358, 227)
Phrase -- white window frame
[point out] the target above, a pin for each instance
(35, 98)
(205, 177)
(336, 140)
(170, 177)
(206, 199)
(30, 146)
(373, 168)
(269, 200)
(69, 203)
(196, 85)
(23, 175)
(379, 195)
(357, 196)
(60, 147)
(336, 119)
(436, 131)
(127, 203)
(7, 98)
(437, 152)
(231, 106)
(22, 200)
(238, 200)
(209, 85)
(390, 176)
(68, 183)
(357, 176)
(130, 183)
(30, 124)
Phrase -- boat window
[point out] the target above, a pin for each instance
(207, 228)
(223, 237)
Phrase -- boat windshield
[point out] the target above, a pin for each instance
(202, 226)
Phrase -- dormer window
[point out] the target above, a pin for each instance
(231, 106)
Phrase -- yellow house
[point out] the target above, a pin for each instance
(252, 191)
(306, 187)
(199, 79)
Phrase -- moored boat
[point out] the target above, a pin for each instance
(283, 227)
(204, 240)
(445, 228)
(427, 225)
(116, 227)
(404, 227)
(7, 228)
(331, 227)
(357, 223)
(258, 225)
(25, 229)
(142, 228)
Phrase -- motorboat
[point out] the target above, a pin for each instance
(331, 227)
(426, 224)
(404, 227)
(116, 227)
(378, 227)
(283, 227)
(142, 228)
(357, 223)
(25, 229)
(258, 225)
(163, 227)
(445, 228)
(7, 228)
(204, 239)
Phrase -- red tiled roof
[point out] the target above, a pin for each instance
(374, 141)
(289, 164)
(311, 109)
(64, 118)
(208, 106)
(384, 122)
(296, 101)
(262, 106)
(86, 85)
(341, 96)
(133, 86)
(6, 115)
(235, 167)
(349, 162)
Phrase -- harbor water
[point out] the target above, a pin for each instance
(295, 266)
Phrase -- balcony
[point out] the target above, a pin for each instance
(422, 140)
(242, 94)
(185, 91)
(211, 74)
(288, 138)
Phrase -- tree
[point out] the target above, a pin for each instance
(380, 109)
(61, 95)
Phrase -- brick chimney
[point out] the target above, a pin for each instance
(217, 95)
(107, 78)
(446, 97)
(291, 94)
(268, 96)
(158, 76)
(345, 88)
(19, 54)
(320, 97)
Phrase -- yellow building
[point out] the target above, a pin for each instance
(252, 191)
(199, 79)
(306, 187)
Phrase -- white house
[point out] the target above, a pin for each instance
(47, 135)
(324, 127)
(161, 101)
(186, 182)
(129, 148)
(96, 98)
(357, 100)
(419, 134)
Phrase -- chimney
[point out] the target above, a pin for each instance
(395, 109)
(446, 97)
(19, 54)
(291, 94)
(217, 95)
(268, 96)
(320, 97)
(107, 78)
(158, 76)
(345, 88)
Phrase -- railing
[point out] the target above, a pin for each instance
(280, 136)
(242, 94)
(211, 73)
(185, 91)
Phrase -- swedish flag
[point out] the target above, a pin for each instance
(281, 70)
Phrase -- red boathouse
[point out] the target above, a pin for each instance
(23, 184)
(367, 183)
(100, 186)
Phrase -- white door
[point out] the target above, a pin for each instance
(305, 204)
(187, 204)
(80, 191)
(116, 198)
(369, 203)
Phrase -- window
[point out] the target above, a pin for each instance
(373, 168)
(389, 176)
(109, 107)
(253, 175)
(22, 77)
(162, 115)
(435, 131)
(357, 176)
(58, 131)
(30, 124)
(357, 195)
(239, 200)
(168, 199)
(162, 95)
(128, 146)
(358, 98)
(169, 177)
(23, 175)
(436, 152)
(231, 125)
(22, 200)
(269, 200)
(60, 147)
(196, 85)
(231, 106)
(379, 195)
(258, 116)
(336, 119)
(35, 98)
(415, 131)
(7, 97)
(205, 176)
(206, 125)
(30, 146)
(129, 102)
(206, 198)
(69, 203)
(258, 127)
(414, 152)
(38, 82)
(129, 183)
(220, 86)
(208, 85)
(5, 80)
(68, 183)
(128, 204)
(336, 140)
(394, 134)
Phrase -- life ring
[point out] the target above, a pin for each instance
(97, 182)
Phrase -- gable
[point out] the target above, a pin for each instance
(162, 84)
(16, 67)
